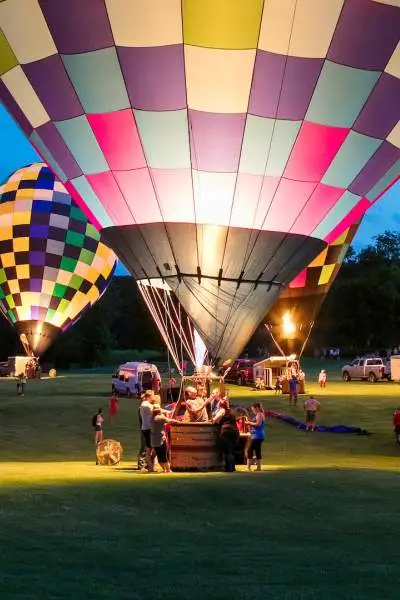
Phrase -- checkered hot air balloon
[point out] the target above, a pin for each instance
(221, 143)
(53, 265)
(293, 315)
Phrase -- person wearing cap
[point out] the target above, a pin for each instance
(196, 407)
(145, 460)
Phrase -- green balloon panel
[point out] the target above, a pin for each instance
(53, 265)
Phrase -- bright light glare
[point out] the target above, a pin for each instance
(288, 327)
(200, 349)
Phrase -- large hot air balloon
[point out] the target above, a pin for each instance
(53, 265)
(293, 315)
(221, 143)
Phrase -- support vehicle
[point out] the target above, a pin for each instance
(368, 368)
(133, 378)
(240, 372)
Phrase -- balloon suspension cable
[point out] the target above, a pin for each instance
(154, 311)
(269, 329)
(5, 313)
(175, 317)
(168, 320)
(306, 340)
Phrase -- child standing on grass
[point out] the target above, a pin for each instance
(113, 406)
(97, 422)
(278, 386)
(322, 377)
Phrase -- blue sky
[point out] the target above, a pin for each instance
(16, 151)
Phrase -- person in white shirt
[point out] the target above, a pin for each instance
(145, 459)
(322, 378)
(196, 407)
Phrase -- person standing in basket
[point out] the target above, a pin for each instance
(257, 435)
(196, 407)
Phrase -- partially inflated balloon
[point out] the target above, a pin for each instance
(53, 265)
(293, 315)
(223, 143)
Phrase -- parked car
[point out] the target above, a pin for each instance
(241, 372)
(4, 369)
(371, 368)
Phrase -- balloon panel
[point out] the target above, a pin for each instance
(292, 317)
(52, 262)
(274, 116)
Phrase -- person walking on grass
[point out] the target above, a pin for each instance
(113, 406)
(322, 377)
(311, 406)
(97, 422)
(21, 383)
(257, 436)
(293, 387)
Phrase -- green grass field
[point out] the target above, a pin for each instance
(321, 520)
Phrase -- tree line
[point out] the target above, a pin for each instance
(361, 314)
(362, 310)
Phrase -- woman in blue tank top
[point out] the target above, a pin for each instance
(257, 436)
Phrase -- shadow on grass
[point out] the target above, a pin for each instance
(284, 534)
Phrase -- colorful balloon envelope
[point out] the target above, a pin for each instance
(53, 265)
(221, 143)
(293, 315)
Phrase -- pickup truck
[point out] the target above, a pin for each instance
(373, 369)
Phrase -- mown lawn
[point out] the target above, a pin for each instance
(320, 521)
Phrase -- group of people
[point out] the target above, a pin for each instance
(198, 408)
(231, 425)
(153, 419)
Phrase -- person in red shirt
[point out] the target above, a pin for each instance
(113, 406)
(396, 424)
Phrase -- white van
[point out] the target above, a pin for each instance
(133, 378)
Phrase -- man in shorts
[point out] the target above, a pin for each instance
(145, 459)
(311, 406)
